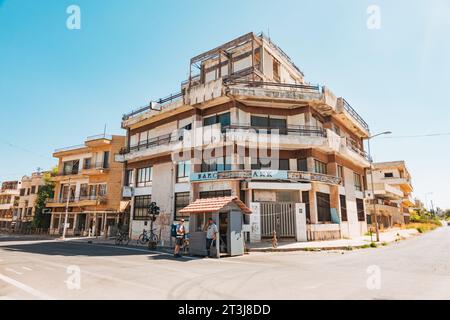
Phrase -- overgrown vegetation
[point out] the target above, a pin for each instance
(423, 221)
(46, 191)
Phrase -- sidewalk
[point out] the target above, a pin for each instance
(340, 244)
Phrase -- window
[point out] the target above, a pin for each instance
(29, 211)
(215, 194)
(302, 164)
(92, 191)
(284, 164)
(28, 191)
(216, 164)
(320, 167)
(106, 160)
(323, 207)
(336, 129)
(224, 119)
(144, 177)
(181, 201)
(84, 189)
(102, 190)
(340, 173)
(276, 70)
(129, 178)
(183, 170)
(33, 189)
(360, 209)
(22, 192)
(343, 202)
(267, 123)
(388, 174)
(357, 180)
(141, 205)
(71, 167)
(87, 163)
(305, 199)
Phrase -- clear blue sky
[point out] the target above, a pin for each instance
(58, 86)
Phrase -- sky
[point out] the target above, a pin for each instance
(58, 86)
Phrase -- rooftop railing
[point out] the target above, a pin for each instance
(99, 136)
(79, 146)
(355, 115)
(162, 101)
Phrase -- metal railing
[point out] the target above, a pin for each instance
(355, 114)
(162, 101)
(79, 146)
(99, 136)
(355, 148)
(97, 165)
(151, 143)
(301, 130)
(100, 199)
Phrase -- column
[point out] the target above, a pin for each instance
(313, 203)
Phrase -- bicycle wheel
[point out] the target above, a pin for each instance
(127, 240)
(154, 238)
(118, 240)
(141, 239)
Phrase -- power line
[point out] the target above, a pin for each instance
(418, 136)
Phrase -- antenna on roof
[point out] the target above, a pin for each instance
(104, 130)
(268, 33)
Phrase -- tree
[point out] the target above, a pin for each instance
(46, 191)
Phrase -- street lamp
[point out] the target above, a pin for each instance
(371, 178)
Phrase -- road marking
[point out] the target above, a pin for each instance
(14, 271)
(26, 268)
(25, 288)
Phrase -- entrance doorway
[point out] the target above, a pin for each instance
(279, 217)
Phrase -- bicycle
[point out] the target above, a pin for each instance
(122, 238)
(150, 238)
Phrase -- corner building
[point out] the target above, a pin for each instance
(244, 108)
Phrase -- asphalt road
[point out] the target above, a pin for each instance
(417, 268)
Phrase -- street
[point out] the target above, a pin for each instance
(417, 268)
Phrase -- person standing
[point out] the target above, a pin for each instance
(181, 231)
(211, 232)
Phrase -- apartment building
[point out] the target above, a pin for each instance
(88, 186)
(26, 207)
(9, 200)
(392, 189)
(247, 124)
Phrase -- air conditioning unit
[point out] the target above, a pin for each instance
(155, 106)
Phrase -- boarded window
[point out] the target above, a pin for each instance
(343, 202)
(323, 207)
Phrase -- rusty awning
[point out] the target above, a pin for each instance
(214, 204)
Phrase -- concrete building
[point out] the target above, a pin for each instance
(247, 124)
(9, 200)
(88, 184)
(392, 188)
(26, 207)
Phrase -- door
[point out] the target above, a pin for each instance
(235, 238)
(279, 217)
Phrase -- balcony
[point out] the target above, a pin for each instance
(95, 169)
(352, 151)
(76, 201)
(351, 118)
(404, 183)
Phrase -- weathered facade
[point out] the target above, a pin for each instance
(88, 185)
(247, 124)
(9, 200)
(26, 208)
(392, 189)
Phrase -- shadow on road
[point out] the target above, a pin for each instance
(70, 249)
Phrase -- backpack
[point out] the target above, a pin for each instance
(173, 230)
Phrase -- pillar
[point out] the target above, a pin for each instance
(313, 203)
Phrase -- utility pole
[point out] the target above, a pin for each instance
(372, 184)
(67, 211)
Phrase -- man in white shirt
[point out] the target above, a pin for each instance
(211, 232)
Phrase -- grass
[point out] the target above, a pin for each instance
(422, 227)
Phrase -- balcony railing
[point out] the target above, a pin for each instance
(151, 143)
(79, 146)
(97, 165)
(162, 101)
(355, 115)
(100, 136)
(100, 199)
(355, 148)
(301, 130)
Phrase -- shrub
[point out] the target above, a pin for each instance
(373, 245)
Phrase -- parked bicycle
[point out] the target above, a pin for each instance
(122, 238)
(148, 237)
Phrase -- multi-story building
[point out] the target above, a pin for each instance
(30, 186)
(247, 124)
(392, 189)
(9, 200)
(88, 186)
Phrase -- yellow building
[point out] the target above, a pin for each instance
(88, 185)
